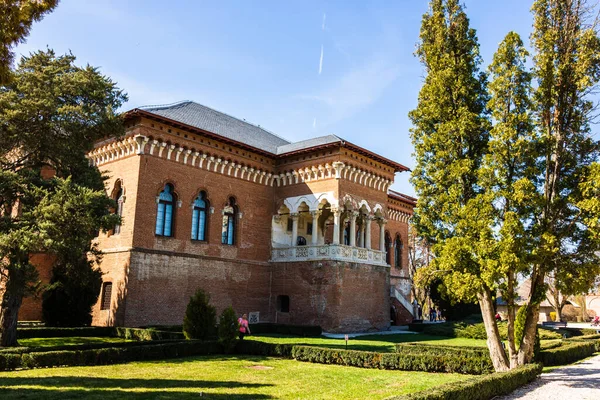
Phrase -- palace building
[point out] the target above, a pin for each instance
(303, 233)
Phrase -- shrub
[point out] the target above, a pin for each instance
(567, 353)
(451, 362)
(256, 348)
(439, 349)
(479, 388)
(228, 329)
(89, 331)
(569, 313)
(108, 355)
(520, 325)
(200, 317)
(552, 316)
(147, 334)
(73, 290)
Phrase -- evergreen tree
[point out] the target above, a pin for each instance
(508, 177)
(567, 70)
(51, 113)
(16, 18)
(200, 318)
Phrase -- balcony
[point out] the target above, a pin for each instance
(335, 252)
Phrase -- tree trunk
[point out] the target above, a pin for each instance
(9, 313)
(533, 315)
(510, 304)
(494, 343)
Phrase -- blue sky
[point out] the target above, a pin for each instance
(300, 69)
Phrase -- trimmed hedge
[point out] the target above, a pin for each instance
(459, 363)
(147, 334)
(473, 331)
(439, 349)
(86, 346)
(465, 363)
(256, 348)
(282, 329)
(567, 353)
(479, 388)
(88, 331)
(108, 355)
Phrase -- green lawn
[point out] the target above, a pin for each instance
(67, 341)
(217, 377)
(379, 343)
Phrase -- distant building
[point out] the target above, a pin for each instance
(299, 233)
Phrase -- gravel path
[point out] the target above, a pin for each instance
(574, 382)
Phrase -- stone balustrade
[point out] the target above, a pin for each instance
(337, 252)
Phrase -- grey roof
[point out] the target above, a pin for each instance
(205, 118)
(306, 144)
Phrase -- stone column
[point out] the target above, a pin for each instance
(361, 235)
(353, 216)
(382, 223)
(368, 220)
(294, 218)
(336, 224)
(315, 227)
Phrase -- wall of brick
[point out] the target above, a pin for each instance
(338, 296)
(31, 308)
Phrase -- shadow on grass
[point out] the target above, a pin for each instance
(107, 388)
(58, 394)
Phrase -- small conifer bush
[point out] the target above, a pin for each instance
(228, 329)
(200, 317)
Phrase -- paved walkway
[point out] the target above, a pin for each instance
(574, 382)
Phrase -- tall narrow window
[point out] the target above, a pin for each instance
(164, 214)
(398, 252)
(388, 244)
(106, 296)
(229, 222)
(199, 217)
(347, 233)
(119, 210)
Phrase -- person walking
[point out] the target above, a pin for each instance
(244, 327)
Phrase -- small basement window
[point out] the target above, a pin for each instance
(106, 296)
(283, 304)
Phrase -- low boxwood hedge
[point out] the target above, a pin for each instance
(147, 334)
(569, 352)
(479, 388)
(458, 362)
(439, 349)
(473, 331)
(85, 346)
(87, 331)
(283, 329)
(256, 348)
(107, 355)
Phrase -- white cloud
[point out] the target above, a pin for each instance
(321, 61)
(314, 123)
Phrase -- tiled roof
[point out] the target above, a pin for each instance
(307, 144)
(205, 118)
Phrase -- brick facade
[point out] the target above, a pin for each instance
(153, 277)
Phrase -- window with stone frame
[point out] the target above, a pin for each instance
(398, 246)
(228, 231)
(106, 296)
(200, 217)
(165, 214)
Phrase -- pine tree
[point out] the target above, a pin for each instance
(51, 113)
(16, 18)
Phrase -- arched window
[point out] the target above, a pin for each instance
(119, 198)
(388, 244)
(229, 222)
(200, 217)
(165, 212)
(398, 252)
(347, 233)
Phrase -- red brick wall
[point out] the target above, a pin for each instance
(338, 296)
(31, 308)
